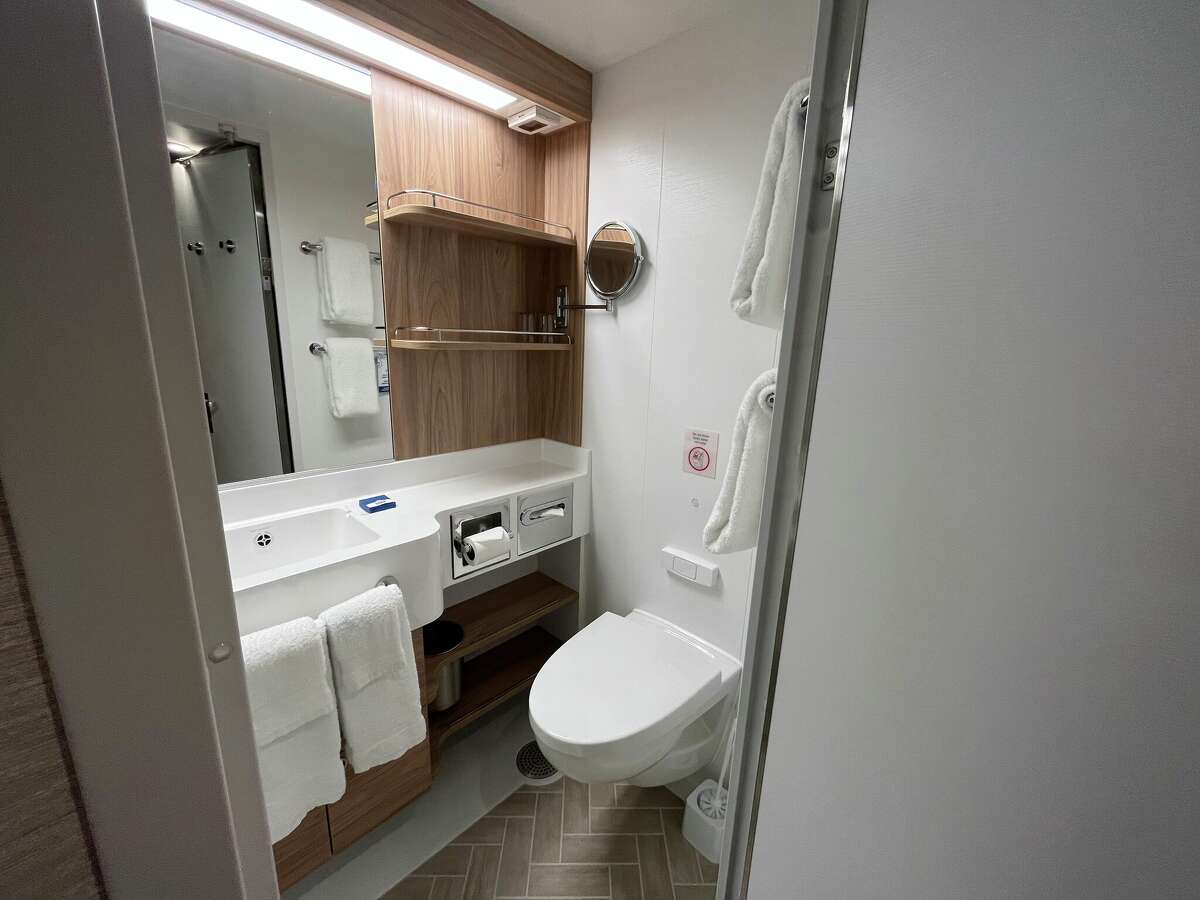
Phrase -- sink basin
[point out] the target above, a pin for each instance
(289, 541)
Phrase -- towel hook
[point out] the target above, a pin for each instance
(316, 348)
(387, 581)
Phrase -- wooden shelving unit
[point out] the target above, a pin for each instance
(492, 678)
(479, 226)
(494, 616)
(372, 221)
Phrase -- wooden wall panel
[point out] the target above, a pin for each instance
(45, 846)
(465, 35)
(566, 191)
(304, 850)
(450, 400)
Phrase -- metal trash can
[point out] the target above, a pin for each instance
(440, 637)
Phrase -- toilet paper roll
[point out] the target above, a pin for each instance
(486, 546)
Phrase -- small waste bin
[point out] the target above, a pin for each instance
(440, 637)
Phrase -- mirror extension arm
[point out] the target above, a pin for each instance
(561, 305)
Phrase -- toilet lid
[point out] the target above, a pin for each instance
(618, 679)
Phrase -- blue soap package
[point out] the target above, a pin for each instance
(377, 504)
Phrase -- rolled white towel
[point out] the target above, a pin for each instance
(733, 523)
(760, 282)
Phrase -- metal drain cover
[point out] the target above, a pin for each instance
(534, 767)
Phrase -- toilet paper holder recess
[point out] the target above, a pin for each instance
(468, 523)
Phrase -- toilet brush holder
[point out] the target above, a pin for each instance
(704, 819)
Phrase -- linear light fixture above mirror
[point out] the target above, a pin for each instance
(369, 45)
(218, 29)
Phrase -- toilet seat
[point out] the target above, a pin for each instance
(623, 682)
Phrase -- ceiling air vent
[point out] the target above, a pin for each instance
(537, 120)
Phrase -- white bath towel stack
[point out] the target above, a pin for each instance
(375, 674)
(733, 524)
(760, 282)
(295, 721)
(350, 377)
(344, 282)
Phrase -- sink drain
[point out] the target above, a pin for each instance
(263, 539)
(534, 767)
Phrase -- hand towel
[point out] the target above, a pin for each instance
(760, 282)
(345, 282)
(295, 723)
(381, 719)
(733, 524)
(350, 376)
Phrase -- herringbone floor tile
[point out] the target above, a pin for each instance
(569, 841)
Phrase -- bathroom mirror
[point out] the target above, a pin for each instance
(274, 180)
(614, 260)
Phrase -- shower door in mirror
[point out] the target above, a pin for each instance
(274, 181)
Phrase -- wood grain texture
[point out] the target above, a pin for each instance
(477, 225)
(466, 36)
(559, 381)
(374, 796)
(493, 616)
(492, 677)
(304, 850)
(450, 400)
(45, 845)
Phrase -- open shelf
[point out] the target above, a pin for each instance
(426, 211)
(421, 337)
(492, 617)
(371, 221)
(492, 678)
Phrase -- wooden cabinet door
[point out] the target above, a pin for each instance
(374, 796)
(304, 850)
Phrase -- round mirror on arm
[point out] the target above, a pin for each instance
(614, 260)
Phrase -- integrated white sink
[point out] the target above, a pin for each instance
(293, 540)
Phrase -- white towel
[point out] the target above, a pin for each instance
(345, 283)
(371, 645)
(733, 524)
(350, 376)
(295, 721)
(760, 283)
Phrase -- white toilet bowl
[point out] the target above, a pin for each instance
(633, 699)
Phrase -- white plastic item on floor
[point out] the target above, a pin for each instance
(702, 830)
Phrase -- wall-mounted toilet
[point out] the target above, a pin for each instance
(633, 699)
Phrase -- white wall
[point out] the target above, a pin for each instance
(678, 138)
(991, 660)
(319, 157)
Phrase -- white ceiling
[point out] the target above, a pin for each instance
(598, 33)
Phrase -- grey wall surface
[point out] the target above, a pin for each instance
(989, 677)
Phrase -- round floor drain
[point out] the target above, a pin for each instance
(534, 767)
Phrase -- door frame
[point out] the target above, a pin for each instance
(835, 61)
(109, 476)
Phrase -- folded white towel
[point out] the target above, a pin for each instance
(350, 376)
(287, 677)
(295, 721)
(760, 283)
(382, 718)
(733, 524)
(345, 283)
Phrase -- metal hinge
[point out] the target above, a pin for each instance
(829, 167)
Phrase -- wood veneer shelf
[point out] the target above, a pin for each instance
(493, 677)
(498, 614)
(406, 344)
(465, 223)
(371, 221)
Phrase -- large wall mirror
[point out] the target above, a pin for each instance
(274, 177)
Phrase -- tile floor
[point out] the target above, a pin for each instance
(567, 841)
